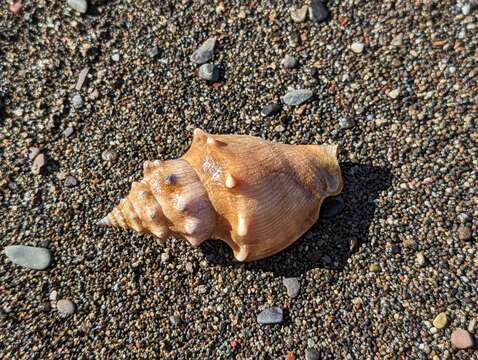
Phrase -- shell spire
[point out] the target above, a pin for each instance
(257, 196)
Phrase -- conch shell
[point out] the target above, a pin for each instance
(257, 196)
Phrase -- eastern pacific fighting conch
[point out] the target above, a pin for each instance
(257, 196)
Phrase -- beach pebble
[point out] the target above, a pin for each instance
(471, 325)
(373, 267)
(31, 257)
(65, 307)
(440, 321)
(33, 152)
(357, 47)
(81, 78)
(346, 123)
(109, 155)
(205, 52)
(77, 101)
(466, 9)
(16, 7)
(115, 57)
(153, 51)
(273, 315)
(464, 233)
(289, 62)
(318, 11)
(312, 354)
(78, 5)
(298, 15)
(68, 131)
(332, 207)
(461, 339)
(209, 72)
(38, 164)
(292, 285)
(394, 93)
(271, 109)
(70, 181)
(297, 97)
(189, 267)
(420, 259)
(53, 295)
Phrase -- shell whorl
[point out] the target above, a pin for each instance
(257, 196)
(169, 199)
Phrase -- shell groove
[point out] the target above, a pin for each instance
(257, 196)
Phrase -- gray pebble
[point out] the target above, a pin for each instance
(53, 295)
(205, 52)
(318, 11)
(289, 62)
(70, 181)
(77, 101)
(81, 78)
(165, 257)
(298, 15)
(464, 233)
(465, 9)
(38, 164)
(346, 123)
(34, 151)
(153, 52)
(292, 285)
(271, 109)
(68, 131)
(332, 207)
(209, 72)
(65, 307)
(273, 315)
(36, 258)
(297, 97)
(109, 155)
(78, 5)
(420, 259)
(115, 57)
(312, 354)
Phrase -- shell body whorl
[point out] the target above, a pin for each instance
(257, 196)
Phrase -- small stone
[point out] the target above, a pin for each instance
(70, 181)
(45, 244)
(65, 307)
(34, 151)
(292, 285)
(153, 52)
(68, 131)
(314, 72)
(209, 72)
(79, 5)
(202, 289)
(273, 315)
(397, 40)
(471, 325)
(279, 128)
(297, 97)
(53, 295)
(271, 109)
(165, 257)
(464, 233)
(38, 164)
(312, 354)
(16, 7)
(357, 47)
(374, 268)
(346, 123)
(466, 9)
(205, 52)
(77, 101)
(331, 207)
(353, 246)
(298, 15)
(81, 78)
(189, 267)
(425, 348)
(461, 339)
(109, 155)
(174, 319)
(440, 321)
(115, 57)
(290, 356)
(289, 62)
(31, 257)
(420, 259)
(318, 11)
(394, 93)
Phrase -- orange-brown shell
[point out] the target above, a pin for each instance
(256, 195)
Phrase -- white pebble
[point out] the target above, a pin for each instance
(357, 47)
